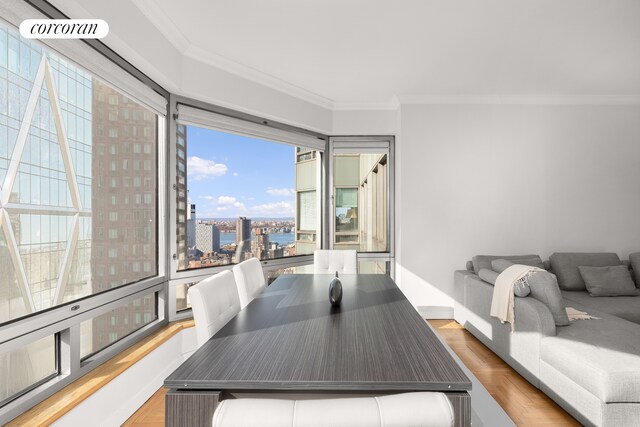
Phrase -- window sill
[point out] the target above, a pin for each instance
(54, 407)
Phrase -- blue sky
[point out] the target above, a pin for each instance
(231, 175)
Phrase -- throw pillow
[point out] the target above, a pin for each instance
(544, 287)
(488, 276)
(499, 265)
(565, 266)
(484, 261)
(611, 281)
(634, 259)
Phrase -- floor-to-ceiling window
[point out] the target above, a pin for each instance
(361, 200)
(244, 193)
(79, 213)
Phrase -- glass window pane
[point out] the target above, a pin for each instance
(347, 210)
(360, 188)
(301, 269)
(374, 267)
(102, 331)
(61, 195)
(243, 193)
(183, 302)
(26, 367)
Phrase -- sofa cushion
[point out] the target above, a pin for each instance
(565, 266)
(609, 281)
(484, 261)
(600, 355)
(520, 290)
(627, 308)
(488, 276)
(634, 259)
(544, 287)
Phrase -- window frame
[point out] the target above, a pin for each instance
(63, 321)
(363, 144)
(178, 278)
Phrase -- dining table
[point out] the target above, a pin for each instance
(291, 341)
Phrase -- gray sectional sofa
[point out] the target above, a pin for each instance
(590, 367)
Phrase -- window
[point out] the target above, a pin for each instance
(54, 217)
(104, 330)
(244, 193)
(27, 367)
(360, 195)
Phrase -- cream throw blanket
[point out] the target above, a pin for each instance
(503, 299)
(574, 314)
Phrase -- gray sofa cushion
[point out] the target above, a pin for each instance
(627, 308)
(521, 289)
(544, 287)
(612, 281)
(500, 265)
(484, 261)
(488, 276)
(600, 355)
(634, 259)
(565, 266)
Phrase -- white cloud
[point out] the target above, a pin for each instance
(236, 174)
(229, 201)
(200, 169)
(207, 197)
(282, 192)
(273, 209)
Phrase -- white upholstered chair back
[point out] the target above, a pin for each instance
(424, 409)
(250, 280)
(330, 261)
(214, 302)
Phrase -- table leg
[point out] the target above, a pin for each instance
(190, 408)
(461, 402)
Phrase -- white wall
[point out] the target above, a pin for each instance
(510, 179)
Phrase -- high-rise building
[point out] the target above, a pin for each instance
(207, 237)
(260, 244)
(46, 244)
(124, 193)
(191, 226)
(182, 208)
(243, 234)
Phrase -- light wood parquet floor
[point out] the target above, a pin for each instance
(525, 404)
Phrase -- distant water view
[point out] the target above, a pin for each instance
(227, 238)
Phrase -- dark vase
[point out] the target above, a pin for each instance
(335, 291)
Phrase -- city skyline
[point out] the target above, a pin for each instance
(231, 176)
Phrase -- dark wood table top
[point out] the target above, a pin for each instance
(290, 338)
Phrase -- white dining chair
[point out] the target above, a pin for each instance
(424, 409)
(330, 261)
(214, 301)
(250, 280)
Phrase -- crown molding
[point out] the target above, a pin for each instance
(522, 99)
(218, 61)
(163, 23)
(390, 105)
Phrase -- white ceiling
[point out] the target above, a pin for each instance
(373, 51)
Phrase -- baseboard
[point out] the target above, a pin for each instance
(435, 312)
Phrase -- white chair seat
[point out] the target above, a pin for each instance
(424, 409)
(214, 301)
(250, 280)
(330, 261)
